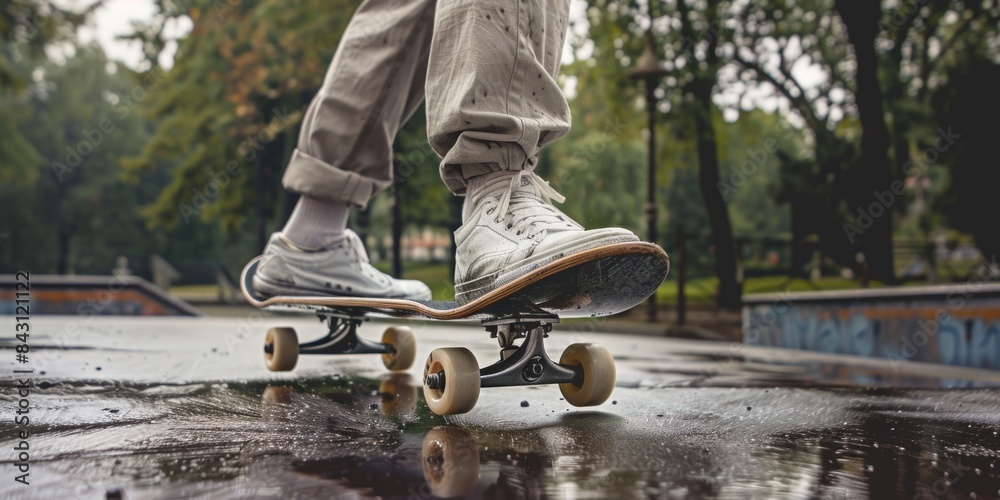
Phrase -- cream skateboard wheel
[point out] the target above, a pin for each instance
(598, 374)
(399, 395)
(451, 461)
(277, 395)
(281, 349)
(405, 344)
(451, 381)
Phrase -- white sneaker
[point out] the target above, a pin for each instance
(513, 228)
(341, 270)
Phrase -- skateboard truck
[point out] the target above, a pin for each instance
(398, 346)
(585, 373)
(527, 363)
(342, 337)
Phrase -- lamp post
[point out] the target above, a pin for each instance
(649, 70)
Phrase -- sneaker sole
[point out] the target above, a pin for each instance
(468, 291)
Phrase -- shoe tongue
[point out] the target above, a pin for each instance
(527, 188)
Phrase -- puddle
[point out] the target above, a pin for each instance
(375, 437)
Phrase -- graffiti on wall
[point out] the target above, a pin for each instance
(903, 329)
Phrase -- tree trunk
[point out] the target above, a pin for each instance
(871, 177)
(730, 289)
(62, 262)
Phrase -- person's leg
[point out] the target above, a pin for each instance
(492, 103)
(492, 97)
(344, 155)
(373, 85)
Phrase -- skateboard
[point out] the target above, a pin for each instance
(597, 282)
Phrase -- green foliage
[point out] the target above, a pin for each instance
(227, 112)
(77, 214)
(26, 28)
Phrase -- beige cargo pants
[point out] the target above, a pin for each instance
(486, 67)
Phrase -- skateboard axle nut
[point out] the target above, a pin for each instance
(533, 370)
(435, 381)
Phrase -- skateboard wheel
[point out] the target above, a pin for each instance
(277, 395)
(460, 389)
(399, 395)
(598, 374)
(281, 349)
(402, 339)
(451, 461)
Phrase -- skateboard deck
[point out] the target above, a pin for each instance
(598, 282)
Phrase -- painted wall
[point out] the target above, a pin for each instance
(945, 325)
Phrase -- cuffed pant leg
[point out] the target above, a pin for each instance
(375, 82)
(492, 97)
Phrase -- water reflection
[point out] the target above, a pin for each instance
(359, 436)
(890, 451)
(892, 454)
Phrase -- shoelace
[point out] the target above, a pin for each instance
(524, 212)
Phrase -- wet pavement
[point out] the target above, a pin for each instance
(179, 407)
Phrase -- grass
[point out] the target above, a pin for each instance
(702, 290)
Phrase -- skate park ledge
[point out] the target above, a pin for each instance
(93, 295)
(957, 325)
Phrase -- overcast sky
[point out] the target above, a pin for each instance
(115, 18)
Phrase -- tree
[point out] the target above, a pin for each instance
(870, 176)
(768, 42)
(970, 201)
(704, 68)
(692, 56)
(229, 110)
(78, 215)
(27, 28)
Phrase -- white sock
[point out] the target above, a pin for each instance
(316, 224)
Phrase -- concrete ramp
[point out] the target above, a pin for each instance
(94, 295)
